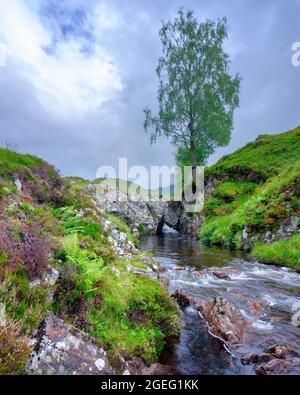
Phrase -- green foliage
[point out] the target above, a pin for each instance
(130, 314)
(135, 316)
(229, 191)
(141, 229)
(90, 266)
(73, 222)
(261, 159)
(236, 204)
(11, 162)
(284, 252)
(197, 95)
(24, 305)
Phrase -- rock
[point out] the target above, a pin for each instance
(172, 214)
(61, 349)
(278, 351)
(179, 267)
(18, 184)
(220, 274)
(224, 320)
(164, 280)
(182, 300)
(250, 359)
(275, 367)
(2, 314)
(255, 307)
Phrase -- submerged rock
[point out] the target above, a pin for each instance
(61, 349)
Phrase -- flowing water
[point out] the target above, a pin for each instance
(273, 290)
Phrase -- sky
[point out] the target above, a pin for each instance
(78, 74)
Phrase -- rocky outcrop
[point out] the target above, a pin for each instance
(62, 349)
(224, 321)
(143, 215)
(123, 247)
(275, 360)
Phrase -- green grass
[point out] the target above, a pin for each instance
(135, 317)
(11, 162)
(284, 252)
(129, 314)
(260, 159)
(260, 208)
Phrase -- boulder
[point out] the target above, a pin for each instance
(61, 349)
(275, 367)
(182, 300)
(224, 320)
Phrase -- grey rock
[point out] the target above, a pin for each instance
(63, 349)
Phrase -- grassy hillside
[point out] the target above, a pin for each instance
(261, 159)
(257, 191)
(45, 224)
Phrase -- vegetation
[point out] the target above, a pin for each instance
(284, 252)
(50, 223)
(255, 196)
(197, 95)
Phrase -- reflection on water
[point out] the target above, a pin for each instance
(273, 288)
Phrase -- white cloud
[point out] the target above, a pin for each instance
(67, 81)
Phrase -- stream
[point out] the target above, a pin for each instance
(273, 289)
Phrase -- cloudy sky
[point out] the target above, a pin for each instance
(79, 72)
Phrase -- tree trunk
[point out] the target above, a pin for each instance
(194, 165)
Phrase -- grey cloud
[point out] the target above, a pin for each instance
(260, 41)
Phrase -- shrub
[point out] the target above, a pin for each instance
(14, 349)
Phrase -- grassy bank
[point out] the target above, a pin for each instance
(257, 190)
(50, 225)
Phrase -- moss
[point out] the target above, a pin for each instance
(284, 252)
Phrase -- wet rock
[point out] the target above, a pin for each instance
(164, 280)
(62, 349)
(224, 320)
(278, 351)
(275, 367)
(220, 274)
(182, 300)
(250, 359)
(255, 307)
(179, 267)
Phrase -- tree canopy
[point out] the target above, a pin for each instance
(196, 95)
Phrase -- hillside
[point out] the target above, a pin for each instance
(65, 264)
(253, 199)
